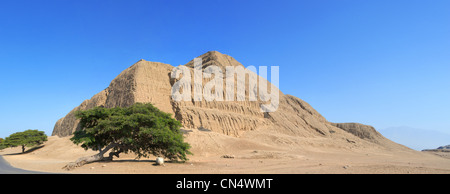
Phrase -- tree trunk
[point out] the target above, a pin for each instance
(94, 158)
(23, 148)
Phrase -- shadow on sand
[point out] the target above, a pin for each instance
(143, 161)
(26, 151)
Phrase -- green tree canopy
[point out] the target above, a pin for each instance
(142, 129)
(25, 139)
(2, 146)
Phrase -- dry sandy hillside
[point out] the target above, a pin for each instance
(275, 153)
(293, 139)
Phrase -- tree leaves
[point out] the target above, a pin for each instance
(25, 138)
(141, 128)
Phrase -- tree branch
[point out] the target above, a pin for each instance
(94, 158)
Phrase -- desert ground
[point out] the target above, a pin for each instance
(273, 154)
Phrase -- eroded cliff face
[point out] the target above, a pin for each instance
(69, 124)
(151, 82)
(142, 82)
(230, 117)
(362, 131)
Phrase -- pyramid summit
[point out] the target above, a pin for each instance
(215, 58)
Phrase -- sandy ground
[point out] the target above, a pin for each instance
(251, 156)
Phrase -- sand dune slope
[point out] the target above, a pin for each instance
(253, 153)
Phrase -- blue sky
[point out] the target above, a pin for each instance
(379, 62)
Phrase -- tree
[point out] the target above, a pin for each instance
(2, 146)
(142, 129)
(25, 139)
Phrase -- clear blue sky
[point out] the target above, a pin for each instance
(379, 62)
